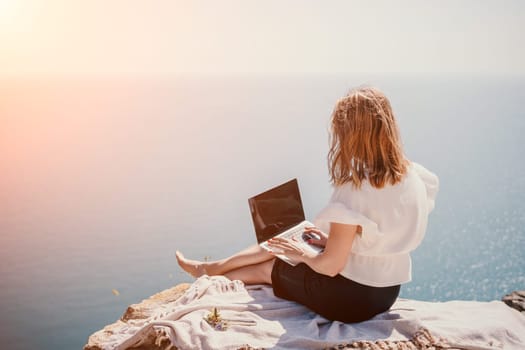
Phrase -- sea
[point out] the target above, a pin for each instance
(103, 178)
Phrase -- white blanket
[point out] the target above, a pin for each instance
(282, 324)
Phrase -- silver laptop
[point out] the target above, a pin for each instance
(279, 212)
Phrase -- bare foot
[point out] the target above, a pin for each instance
(193, 267)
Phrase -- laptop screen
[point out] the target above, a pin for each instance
(276, 210)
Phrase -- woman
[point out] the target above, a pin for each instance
(376, 216)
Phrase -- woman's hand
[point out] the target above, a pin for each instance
(287, 247)
(323, 237)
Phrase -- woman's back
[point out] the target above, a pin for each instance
(393, 221)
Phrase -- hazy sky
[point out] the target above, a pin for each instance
(266, 36)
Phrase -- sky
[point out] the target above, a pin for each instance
(161, 37)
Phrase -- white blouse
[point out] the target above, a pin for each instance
(393, 220)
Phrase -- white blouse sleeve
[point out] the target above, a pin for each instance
(431, 182)
(368, 242)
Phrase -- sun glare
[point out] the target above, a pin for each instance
(9, 13)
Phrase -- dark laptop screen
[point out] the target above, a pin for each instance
(276, 210)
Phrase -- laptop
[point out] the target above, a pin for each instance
(279, 212)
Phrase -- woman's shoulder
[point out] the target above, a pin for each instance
(415, 173)
(428, 177)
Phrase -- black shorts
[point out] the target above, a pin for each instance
(335, 298)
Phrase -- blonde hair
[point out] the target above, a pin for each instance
(364, 141)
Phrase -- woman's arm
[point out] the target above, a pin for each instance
(336, 251)
(333, 259)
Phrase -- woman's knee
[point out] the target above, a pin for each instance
(266, 270)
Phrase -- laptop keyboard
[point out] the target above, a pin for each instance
(296, 232)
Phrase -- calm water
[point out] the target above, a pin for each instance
(103, 179)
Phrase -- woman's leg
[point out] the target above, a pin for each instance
(250, 256)
(253, 274)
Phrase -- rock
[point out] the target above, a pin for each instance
(140, 311)
(515, 300)
(159, 340)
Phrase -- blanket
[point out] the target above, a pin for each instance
(255, 318)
